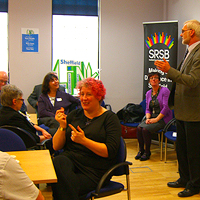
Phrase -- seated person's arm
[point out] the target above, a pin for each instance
(159, 117)
(148, 115)
(44, 132)
(59, 138)
(40, 196)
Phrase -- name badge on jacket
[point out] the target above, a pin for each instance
(59, 99)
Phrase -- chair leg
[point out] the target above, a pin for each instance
(161, 146)
(177, 166)
(165, 149)
(159, 139)
(128, 187)
(175, 146)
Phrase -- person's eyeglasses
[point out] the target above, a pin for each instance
(5, 82)
(21, 100)
(183, 31)
(151, 78)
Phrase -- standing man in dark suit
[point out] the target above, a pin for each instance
(185, 99)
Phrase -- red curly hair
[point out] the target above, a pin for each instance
(97, 87)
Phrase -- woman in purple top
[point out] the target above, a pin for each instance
(51, 100)
(157, 115)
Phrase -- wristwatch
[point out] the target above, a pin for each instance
(62, 129)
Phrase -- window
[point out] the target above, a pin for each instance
(4, 41)
(75, 48)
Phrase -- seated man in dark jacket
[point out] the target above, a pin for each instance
(11, 99)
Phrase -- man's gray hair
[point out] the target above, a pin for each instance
(194, 25)
(8, 93)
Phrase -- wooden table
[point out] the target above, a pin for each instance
(33, 118)
(37, 164)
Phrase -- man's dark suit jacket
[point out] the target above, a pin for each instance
(9, 116)
(37, 91)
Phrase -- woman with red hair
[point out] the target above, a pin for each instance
(90, 137)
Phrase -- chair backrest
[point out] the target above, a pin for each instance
(170, 126)
(173, 113)
(121, 157)
(107, 106)
(9, 141)
(143, 104)
(103, 104)
(28, 139)
(121, 167)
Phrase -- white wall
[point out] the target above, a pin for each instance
(122, 47)
(29, 69)
(182, 10)
(121, 42)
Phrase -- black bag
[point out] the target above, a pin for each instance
(131, 113)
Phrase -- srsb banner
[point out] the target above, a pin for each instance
(160, 41)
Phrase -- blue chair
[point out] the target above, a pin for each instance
(28, 139)
(107, 106)
(170, 127)
(170, 134)
(9, 141)
(120, 168)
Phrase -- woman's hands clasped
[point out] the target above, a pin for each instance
(151, 121)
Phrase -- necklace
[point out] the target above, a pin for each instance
(156, 92)
(154, 97)
(88, 121)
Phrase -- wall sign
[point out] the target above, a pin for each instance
(160, 41)
(71, 71)
(30, 39)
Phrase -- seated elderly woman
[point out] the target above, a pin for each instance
(53, 99)
(11, 99)
(90, 137)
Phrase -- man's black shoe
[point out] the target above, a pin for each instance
(176, 184)
(188, 192)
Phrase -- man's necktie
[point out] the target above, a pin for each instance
(186, 52)
(185, 55)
